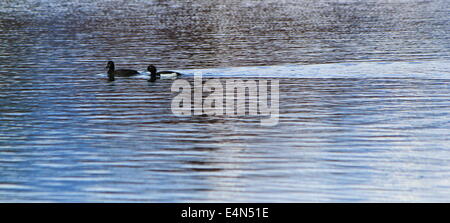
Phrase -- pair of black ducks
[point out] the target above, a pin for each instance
(112, 72)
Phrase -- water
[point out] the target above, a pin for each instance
(364, 101)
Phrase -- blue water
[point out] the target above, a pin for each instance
(364, 101)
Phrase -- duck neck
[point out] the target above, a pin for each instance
(111, 74)
(152, 76)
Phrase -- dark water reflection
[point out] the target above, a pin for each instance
(66, 134)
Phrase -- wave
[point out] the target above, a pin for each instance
(422, 69)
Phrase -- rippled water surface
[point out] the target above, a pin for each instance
(364, 101)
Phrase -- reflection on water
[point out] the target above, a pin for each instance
(364, 89)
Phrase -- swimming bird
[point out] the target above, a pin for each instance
(121, 72)
(157, 75)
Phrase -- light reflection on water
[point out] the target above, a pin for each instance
(364, 89)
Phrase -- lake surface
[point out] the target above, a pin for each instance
(364, 101)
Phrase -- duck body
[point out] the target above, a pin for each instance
(125, 72)
(161, 74)
(112, 72)
(167, 73)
